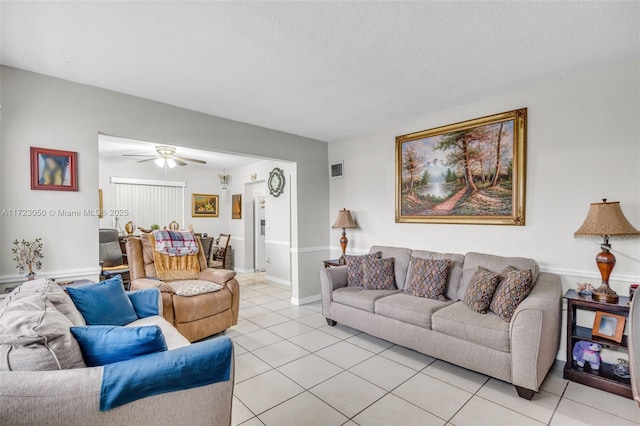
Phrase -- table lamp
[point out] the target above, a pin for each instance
(606, 220)
(344, 221)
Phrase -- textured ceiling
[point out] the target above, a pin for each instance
(325, 70)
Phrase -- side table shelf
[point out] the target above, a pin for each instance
(604, 378)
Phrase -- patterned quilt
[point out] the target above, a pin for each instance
(175, 243)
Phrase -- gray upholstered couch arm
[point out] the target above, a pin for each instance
(72, 397)
(535, 332)
(330, 279)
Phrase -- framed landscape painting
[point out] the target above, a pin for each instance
(204, 205)
(468, 173)
(54, 170)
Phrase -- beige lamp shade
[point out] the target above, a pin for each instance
(345, 221)
(607, 219)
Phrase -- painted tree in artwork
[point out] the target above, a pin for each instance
(498, 154)
(411, 164)
(462, 152)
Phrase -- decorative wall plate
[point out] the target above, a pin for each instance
(276, 182)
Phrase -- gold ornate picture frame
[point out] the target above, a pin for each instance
(471, 172)
(205, 205)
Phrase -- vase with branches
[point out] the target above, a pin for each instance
(28, 255)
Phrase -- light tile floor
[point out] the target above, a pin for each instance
(293, 369)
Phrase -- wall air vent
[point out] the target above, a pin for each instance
(337, 169)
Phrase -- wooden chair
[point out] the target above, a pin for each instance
(218, 259)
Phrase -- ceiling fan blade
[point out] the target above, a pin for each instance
(179, 162)
(148, 159)
(190, 159)
(137, 155)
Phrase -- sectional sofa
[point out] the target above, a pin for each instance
(520, 352)
(72, 394)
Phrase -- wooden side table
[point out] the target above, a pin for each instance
(604, 378)
(331, 263)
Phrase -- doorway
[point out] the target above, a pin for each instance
(255, 226)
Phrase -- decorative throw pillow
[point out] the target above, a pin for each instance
(104, 303)
(379, 274)
(355, 271)
(514, 287)
(428, 278)
(194, 287)
(481, 289)
(104, 344)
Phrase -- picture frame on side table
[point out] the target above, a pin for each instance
(472, 172)
(53, 169)
(608, 326)
(205, 205)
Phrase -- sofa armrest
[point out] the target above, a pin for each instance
(534, 332)
(331, 279)
(71, 397)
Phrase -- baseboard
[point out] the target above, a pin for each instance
(305, 300)
(277, 280)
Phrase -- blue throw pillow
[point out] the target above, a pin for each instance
(103, 344)
(146, 302)
(103, 303)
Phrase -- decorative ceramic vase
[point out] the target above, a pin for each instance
(130, 227)
(174, 226)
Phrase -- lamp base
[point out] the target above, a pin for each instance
(342, 260)
(605, 294)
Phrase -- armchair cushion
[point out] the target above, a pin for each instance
(106, 344)
(104, 303)
(194, 287)
(188, 367)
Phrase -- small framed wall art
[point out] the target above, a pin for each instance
(236, 206)
(54, 170)
(205, 205)
(608, 326)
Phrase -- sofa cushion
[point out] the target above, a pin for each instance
(355, 268)
(360, 298)
(172, 337)
(106, 344)
(104, 303)
(481, 289)
(54, 294)
(401, 258)
(486, 330)
(193, 287)
(34, 335)
(494, 264)
(428, 278)
(514, 287)
(409, 309)
(455, 273)
(378, 274)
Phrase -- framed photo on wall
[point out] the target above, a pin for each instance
(236, 206)
(471, 172)
(608, 326)
(205, 205)
(54, 170)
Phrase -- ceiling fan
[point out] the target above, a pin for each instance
(166, 157)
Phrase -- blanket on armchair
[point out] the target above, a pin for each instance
(175, 243)
(172, 267)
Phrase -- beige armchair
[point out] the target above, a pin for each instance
(195, 317)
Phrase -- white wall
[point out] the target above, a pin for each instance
(199, 180)
(583, 145)
(47, 112)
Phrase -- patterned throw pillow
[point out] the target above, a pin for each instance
(513, 289)
(481, 289)
(379, 274)
(428, 278)
(194, 287)
(355, 271)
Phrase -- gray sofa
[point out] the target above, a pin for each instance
(520, 352)
(71, 396)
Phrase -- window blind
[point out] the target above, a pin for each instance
(148, 203)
